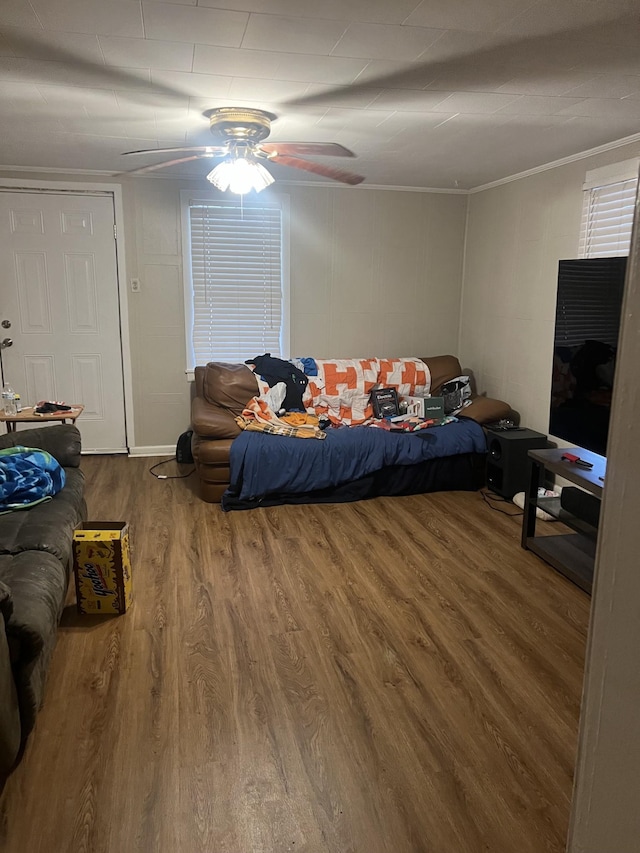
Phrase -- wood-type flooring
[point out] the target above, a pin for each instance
(389, 676)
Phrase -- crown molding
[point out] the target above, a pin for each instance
(545, 167)
(48, 170)
(564, 161)
(45, 170)
(390, 187)
(334, 185)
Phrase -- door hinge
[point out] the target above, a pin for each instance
(115, 232)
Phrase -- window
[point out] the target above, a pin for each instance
(589, 301)
(608, 208)
(236, 278)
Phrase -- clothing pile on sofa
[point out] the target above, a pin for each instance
(337, 391)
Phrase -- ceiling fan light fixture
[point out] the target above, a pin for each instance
(240, 176)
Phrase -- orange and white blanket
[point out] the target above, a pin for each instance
(341, 391)
(342, 388)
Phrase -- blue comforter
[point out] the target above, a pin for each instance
(263, 464)
(28, 476)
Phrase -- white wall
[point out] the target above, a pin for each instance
(373, 272)
(516, 235)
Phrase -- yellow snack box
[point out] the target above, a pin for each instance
(102, 567)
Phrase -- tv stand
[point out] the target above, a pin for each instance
(572, 554)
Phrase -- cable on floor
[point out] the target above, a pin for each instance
(169, 476)
(490, 499)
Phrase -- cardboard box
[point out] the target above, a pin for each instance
(102, 567)
(425, 407)
(384, 402)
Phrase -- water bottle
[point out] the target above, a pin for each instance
(8, 400)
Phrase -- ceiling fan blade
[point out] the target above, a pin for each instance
(209, 150)
(318, 169)
(481, 62)
(326, 149)
(166, 163)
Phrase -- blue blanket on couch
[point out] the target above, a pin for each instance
(263, 464)
(27, 477)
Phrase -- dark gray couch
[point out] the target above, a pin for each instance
(35, 562)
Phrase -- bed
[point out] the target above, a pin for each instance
(353, 463)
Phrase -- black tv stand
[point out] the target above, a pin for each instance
(572, 554)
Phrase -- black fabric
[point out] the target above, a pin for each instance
(274, 370)
(49, 408)
(6, 605)
(463, 472)
(9, 716)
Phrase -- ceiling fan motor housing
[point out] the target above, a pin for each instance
(237, 124)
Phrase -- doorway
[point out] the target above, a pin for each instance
(61, 298)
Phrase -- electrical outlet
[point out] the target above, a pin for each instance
(135, 285)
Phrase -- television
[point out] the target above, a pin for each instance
(588, 311)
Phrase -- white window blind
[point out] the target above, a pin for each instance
(607, 219)
(589, 301)
(237, 279)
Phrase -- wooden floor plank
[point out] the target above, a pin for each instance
(388, 676)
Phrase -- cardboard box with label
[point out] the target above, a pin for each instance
(384, 402)
(102, 567)
(425, 407)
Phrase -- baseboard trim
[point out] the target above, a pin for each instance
(154, 450)
(104, 451)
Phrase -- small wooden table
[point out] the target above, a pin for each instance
(27, 415)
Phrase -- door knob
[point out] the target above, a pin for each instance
(7, 342)
(6, 324)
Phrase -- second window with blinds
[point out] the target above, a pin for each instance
(607, 210)
(236, 278)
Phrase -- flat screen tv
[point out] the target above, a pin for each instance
(588, 310)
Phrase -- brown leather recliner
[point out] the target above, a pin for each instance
(223, 390)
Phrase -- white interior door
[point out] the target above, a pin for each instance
(60, 293)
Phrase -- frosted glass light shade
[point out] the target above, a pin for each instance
(240, 176)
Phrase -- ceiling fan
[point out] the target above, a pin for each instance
(240, 133)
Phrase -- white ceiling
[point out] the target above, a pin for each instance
(438, 93)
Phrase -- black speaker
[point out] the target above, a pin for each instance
(507, 459)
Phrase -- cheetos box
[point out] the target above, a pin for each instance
(102, 567)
